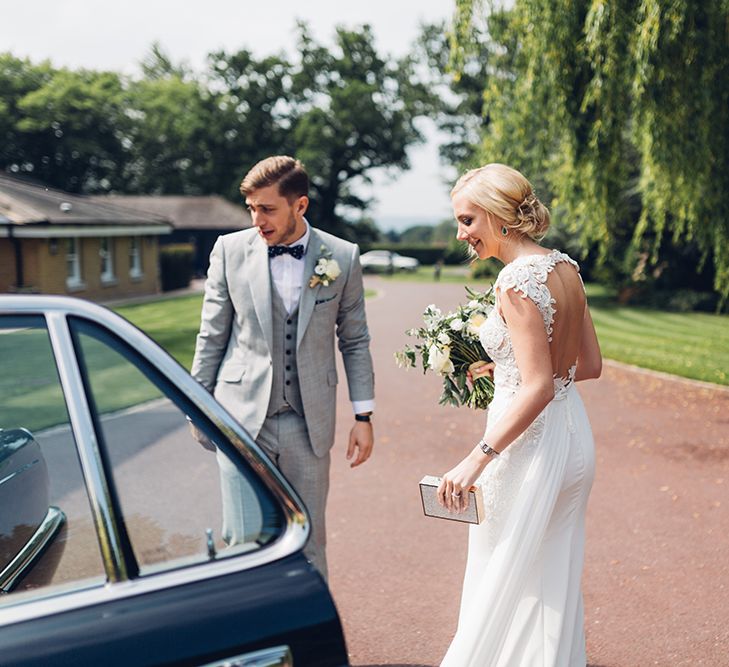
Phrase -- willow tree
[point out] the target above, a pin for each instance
(622, 109)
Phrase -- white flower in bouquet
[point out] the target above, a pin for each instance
(475, 322)
(432, 316)
(439, 359)
(448, 345)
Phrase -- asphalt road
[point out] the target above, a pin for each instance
(657, 574)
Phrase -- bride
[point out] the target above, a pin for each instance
(521, 604)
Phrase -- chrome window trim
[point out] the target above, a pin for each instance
(28, 609)
(31, 549)
(297, 528)
(277, 656)
(87, 446)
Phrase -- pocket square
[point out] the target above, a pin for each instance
(320, 301)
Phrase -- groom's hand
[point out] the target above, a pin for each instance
(361, 440)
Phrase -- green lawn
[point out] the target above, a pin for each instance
(692, 345)
(171, 322)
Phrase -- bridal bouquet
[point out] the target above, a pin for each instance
(450, 346)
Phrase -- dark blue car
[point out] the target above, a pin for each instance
(113, 546)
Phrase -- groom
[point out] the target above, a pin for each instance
(274, 297)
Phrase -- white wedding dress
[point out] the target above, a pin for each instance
(522, 603)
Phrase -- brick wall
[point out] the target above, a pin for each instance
(8, 268)
(7, 264)
(44, 268)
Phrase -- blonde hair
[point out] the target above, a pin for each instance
(507, 194)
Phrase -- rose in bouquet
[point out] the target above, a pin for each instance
(449, 345)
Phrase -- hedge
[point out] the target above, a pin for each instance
(176, 265)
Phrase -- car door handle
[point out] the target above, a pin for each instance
(279, 656)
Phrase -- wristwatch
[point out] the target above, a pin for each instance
(366, 417)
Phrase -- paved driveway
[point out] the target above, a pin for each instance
(657, 573)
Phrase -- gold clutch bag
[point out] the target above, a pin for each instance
(431, 507)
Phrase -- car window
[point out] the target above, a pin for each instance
(180, 502)
(43, 498)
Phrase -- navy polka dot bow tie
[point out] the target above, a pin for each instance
(296, 251)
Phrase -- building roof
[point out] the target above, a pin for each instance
(187, 212)
(24, 203)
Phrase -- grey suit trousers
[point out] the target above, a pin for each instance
(285, 439)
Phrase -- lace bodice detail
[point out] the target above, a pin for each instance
(528, 277)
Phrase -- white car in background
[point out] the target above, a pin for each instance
(385, 261)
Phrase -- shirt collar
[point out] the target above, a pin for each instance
(304, 240)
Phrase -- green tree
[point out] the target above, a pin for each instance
(352, 110)
(18, 77)
(64, 127)
(623, 109)
(344, 111)
(458, 102)
(169, 140)
(252, 114)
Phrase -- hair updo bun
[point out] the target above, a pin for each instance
(532, 217)
(507, 194)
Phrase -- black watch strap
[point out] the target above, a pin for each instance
(362, 418)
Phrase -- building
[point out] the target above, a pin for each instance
(195, 220)
(55, 242)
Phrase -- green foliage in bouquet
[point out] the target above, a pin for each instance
(448, 345)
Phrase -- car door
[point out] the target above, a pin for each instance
(154, 561)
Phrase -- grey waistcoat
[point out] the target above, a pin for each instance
(285, 392)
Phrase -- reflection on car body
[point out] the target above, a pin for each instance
(27, 522)
(111, 535)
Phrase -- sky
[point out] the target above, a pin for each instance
(117, 36)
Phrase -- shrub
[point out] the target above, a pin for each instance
(679, 300)
(487, 269)
(176, 265)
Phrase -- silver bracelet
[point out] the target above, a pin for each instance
(486, 449)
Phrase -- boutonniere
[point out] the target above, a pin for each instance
(326, 270)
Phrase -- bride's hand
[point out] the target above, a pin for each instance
(479, 369)
(455, 484)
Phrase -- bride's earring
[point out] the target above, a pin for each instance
(504, 230)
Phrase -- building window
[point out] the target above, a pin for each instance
(135, 257)
(106, 253)
(73, 264)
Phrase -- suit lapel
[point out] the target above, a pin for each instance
(308, 294)
(259, 279)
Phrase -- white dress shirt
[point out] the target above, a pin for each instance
(287, 275)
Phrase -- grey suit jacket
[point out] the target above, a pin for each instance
(233, 350)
